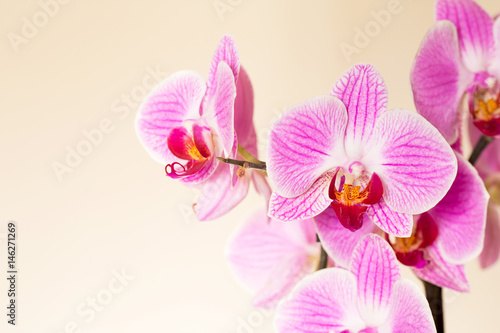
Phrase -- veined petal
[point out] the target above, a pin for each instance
(362, 90)
(461, 216)
(491, 250)
(393, 223)
(416, 164)
(307, 205)
(474, 27)
(220, 107)
(338, 241)
(243, 114)
(175, 99)
(284, 276)
(304, 143)
(442, 273)
(376, 269)
(409, 310)
(439, 80)
(226, 52)
(260, 251)
(495, 60)
(217, 197)
(322, 302)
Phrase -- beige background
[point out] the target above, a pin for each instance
(116, 209)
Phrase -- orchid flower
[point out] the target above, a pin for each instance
(442, 240)
(269, 257)
(185, 123)
(348, 152)
(369, 297)
(459, 60)
(488, 167)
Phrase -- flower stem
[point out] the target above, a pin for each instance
(259, 166)
(434, 295)
(323, 258)
(481, 144)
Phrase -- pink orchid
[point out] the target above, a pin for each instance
(369, 297)
(346, 150)
(186, 123)
(269, 257)
(488, 166)
(459, 55)
(443, 239)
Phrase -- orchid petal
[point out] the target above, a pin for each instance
(393, 223)
(409, 310)
(174, 100)
(269, 257)
(439, 79)
(220, 108)
(226, 52)
(304, 143)
(376, 269)
(441, 273)
(474, 28)
(309, 204)
(339, 242)
(243, 114)
(217, 197)
(363, 92)
(261, 185)
(284, 276)
(414, 161)
(461, 216)
(495, 60)
(491, 250)
(322, 302)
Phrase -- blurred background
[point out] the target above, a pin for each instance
(106, 242)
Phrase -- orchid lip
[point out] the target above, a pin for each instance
(350, 204)
(411, 251)
(196, 148)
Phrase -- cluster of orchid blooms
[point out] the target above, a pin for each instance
(348, 178)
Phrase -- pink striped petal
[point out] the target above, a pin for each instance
(220, 107)
(474, 28)
(243, 114)
(322, 302)
(495, 60)
(491, 250)
(304, 143)
(396, 224)
(309, 204)
(270, 257)
(439, 80)
(284, 276)
(409, 310)
(442, 273)
(363, 92)
(338, 241)
(376, 269)
(226, 52)
(174, 100)
(416, 164)
(217, 197)
(461, 216)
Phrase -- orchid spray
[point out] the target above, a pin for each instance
(351, 189)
